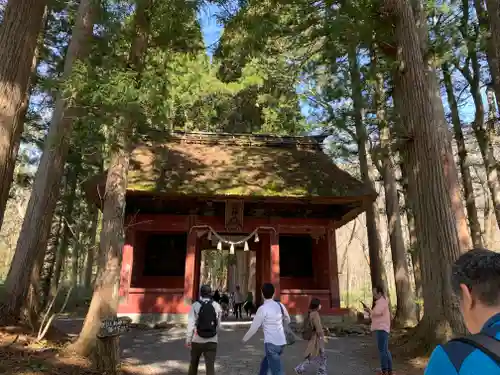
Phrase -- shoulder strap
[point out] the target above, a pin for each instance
(487, 344)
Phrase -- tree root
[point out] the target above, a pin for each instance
(6, 317)
(421, 340)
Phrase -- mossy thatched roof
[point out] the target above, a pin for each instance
(228, 165)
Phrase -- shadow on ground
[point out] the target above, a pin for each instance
(162, 351)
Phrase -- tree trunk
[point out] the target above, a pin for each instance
(105, 299)
(405, 311)
(33, 305)
(483, 134)
(377, 271)
(72, 179)
(74, 258)
(450, 169)
(493, 41)
(19, 29)
(412, 235)
(52, 249)
(104, 302)
(470, 202)
(87, 281)
(484, 137)
(36, 225)
(435, 221)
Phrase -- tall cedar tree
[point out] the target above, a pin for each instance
(450, 169)
(104, 302)
(405, 311)
(377, 270)
(435, 222)
(38, 218)
(483, 134)
(470, 202)
(19, 29)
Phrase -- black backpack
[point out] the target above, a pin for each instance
(206, 324)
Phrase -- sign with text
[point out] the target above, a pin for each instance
(114, 327)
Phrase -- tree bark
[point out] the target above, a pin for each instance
(89, 265)
(483, 134)
(74, 258)
(470, 201)
(435, 221)
(405, 311)
(52, 249)
(36, 225)
(493, 41)
(72, 180)
(450, 169)
(377, 271)
(413, 240)
(104, 302)
(19, 30)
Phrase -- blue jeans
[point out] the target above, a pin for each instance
(272, 360)
(383, 349)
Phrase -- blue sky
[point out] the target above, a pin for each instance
(210, 28)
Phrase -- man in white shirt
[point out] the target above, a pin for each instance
(269, 316)
(203, 322)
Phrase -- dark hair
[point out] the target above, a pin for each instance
(268, 290)
(205, 291)
(479, 271)
(379, 289)
(314, 304)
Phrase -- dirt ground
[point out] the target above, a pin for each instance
(162, 352)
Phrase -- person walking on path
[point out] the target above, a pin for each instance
(381, 326)
(203, 323)
(476, 281)
(248, 306)
(270, 316)
(238, 302)
(313, 332)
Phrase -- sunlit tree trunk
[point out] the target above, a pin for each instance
(451, 172)
(37, 221)
(483, 134)
(412, 235)
(405, 311)
(104, 302)
(19, 30)
(377, 271)
(435, 222)
(470, 202)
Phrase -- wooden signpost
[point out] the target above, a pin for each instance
(108, 343)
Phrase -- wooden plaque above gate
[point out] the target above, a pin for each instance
(234, 215)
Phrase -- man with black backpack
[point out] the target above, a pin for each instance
(203, 322)
(476, 280)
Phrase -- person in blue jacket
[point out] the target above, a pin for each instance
(476, 280)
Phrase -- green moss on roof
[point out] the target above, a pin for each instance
(186, 167)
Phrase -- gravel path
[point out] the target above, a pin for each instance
(163, 352)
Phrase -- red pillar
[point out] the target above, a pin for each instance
(275, 263)
(333, 268)
(190, 270)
